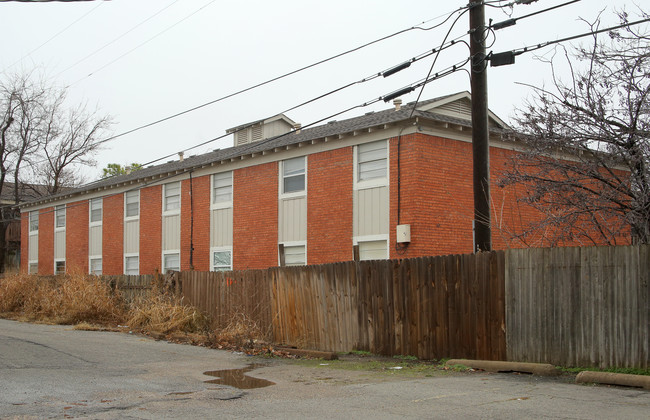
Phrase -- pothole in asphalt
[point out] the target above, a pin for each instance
(237, 378)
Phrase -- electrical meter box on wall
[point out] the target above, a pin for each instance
(403, 234)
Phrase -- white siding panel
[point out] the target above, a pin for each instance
(293, 220)
(95, 240)
(33, 247)
(171, 232)
(59, 245)
(221, 228)
(132, 236)
(371, 212)
(373, 250)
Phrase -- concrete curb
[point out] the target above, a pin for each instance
(610, 378)
(541, 369)
(325, 355)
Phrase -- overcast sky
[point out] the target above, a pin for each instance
(144, 60)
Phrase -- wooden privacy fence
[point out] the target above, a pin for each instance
(428, 307)
(567, 306)
(579, 306)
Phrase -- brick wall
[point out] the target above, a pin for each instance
(46, 241)
(436, 195)
(76, 237)
(150, 229)
(113, 235)
(255, 224)
(24, 242)
(201, 235)
(437, 199)
(329, 206)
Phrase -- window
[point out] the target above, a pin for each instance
(60, 216)
(132, 203)
(171, 262)
(96, 266)
(96, 210)
(59, 267)
(132, 265)
(33, 221)
(33, 268)
(294, 255)
(293, 175)
(372, 160)
(221, 260)
(222, 187)
(172, 196)
(373, 250)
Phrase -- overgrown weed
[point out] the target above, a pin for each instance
(68, 299)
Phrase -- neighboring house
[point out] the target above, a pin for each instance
(12, 231)
(389, 184)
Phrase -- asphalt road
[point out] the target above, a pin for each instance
(56, 372)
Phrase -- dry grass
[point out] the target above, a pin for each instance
(90, 304)
(165, 313)
(15, 290)
(241, 333)
(66, 299)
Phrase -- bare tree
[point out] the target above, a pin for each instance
(70, 140)
(586, 167)
(42, 140)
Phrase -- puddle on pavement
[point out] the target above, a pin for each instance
(237, 378)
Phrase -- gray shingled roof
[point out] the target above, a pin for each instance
(332, 128)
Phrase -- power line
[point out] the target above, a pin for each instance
(412, 87)
(508, 57)
(274, 79)
(144, 43)
(118, 38)
(385, 98)
(436, 58)
(384, 73)
(54, 36)
(240, 151)
(513, 21)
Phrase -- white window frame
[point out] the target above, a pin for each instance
(33, 215)
(137, 216)
(132, 255)
(170, 252)
(59, 260)
(220, 249)
(90, 264)
(57, 211)
(221, 204)
(289, 244)
(374, 238)
(99, 200)
(281, 177)
(32, 263)
(374, 182)
(165, 211)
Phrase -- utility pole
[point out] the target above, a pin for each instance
(480, 131)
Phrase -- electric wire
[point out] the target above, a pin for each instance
(116, 39)
(437, 55)
(144, 43)
(384, 73)
(523, 50)
(239, 152)
(54, 36)
(437, 51)
(276, 78)
(445, 72)
(512, 21)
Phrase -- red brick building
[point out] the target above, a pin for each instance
(395, 184)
